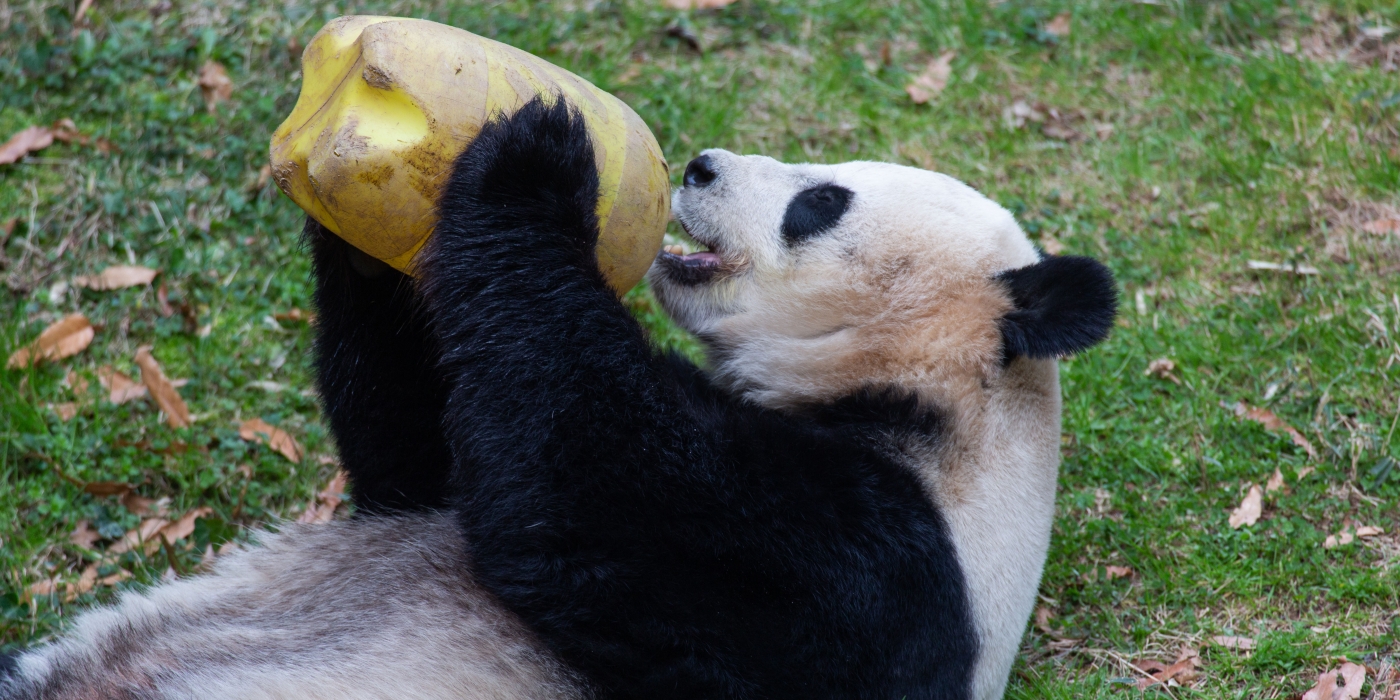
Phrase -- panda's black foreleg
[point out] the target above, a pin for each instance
(571, 436)
(376, 367)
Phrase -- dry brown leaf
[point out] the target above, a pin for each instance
(1275, 482)
(934, 78)
(215, 84)
(1250, 508)
(65, 337)
(1304, 472)
(85, 582)
(1161, 368)
(1061, 131)
(1295, 268)
(177, 414)
(1042, 619)
(296, 314)
(1051, 244)
(117, 277)
(1236, 643)
(1118, 572)
(77, 383)
(106, 488)
(1352, 677)
(1059, 26)
(1368, 531)
(697, 4)
(322, 508)
(120, 388)
(27, 141)
(1184, 671)
(182, 528)
(141, 506)
(83, 7)
(143, 534)
(1381, 227)
(1266, 418)
(65, 411)
(1342, 538)
(258, 430)
(84, 535)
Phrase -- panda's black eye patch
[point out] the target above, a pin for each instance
(814, 210)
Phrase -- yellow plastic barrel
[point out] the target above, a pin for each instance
(386, 105)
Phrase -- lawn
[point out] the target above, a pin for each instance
(1182, 142)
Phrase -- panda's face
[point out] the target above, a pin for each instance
(821, 278)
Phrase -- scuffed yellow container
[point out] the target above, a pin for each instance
(386, 105)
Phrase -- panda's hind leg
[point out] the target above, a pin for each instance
(376, 367)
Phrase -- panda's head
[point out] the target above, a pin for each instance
(821, 280)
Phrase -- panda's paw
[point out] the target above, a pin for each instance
(528, 179)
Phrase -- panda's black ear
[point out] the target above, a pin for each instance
(1062, 305)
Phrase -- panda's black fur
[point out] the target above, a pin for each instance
(661, 537)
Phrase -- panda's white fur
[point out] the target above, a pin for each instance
(900, 292)
(371, 608)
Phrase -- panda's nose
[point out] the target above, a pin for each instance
(700, 172)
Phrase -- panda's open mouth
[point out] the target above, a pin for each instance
(690, 268)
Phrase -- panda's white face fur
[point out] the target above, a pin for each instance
(899, 283)
(898, 290)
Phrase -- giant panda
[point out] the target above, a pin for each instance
(853, 501)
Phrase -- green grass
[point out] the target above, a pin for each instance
(1228, 144)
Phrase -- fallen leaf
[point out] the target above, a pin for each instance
(141, 506)
(1346, 536)
(1295, 268)
(1270, 421)
(1304, 472)
(27, 141)
(64, 338)
(84, 583)
(1118, 572)
(1352, 677)
(1275, 482)
(1381, 227)
(117, 277)
(77, 383)
(1057, 130)
(1237, 643)
(1051, 244)
(1103, 130)
(106, 488)
(322, 508)
(1161, 368)
(1042, 619)
(1183, 671)
(215, 84)
(1250, 508)
(1019, 113)
(697, 4)
(83, 7)
(177, 414)
(1059, 26)
(182, 528)
(1368, 531)
(296, 314)
(65, 411)
(934, 78)
(84, 535)
(142, 534)
(116, 578)
(258, 430)
(120, 388)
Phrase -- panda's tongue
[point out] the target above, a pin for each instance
(703, 258)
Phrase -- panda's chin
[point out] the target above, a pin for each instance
(690, 269)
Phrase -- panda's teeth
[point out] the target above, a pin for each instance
(674, 249)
